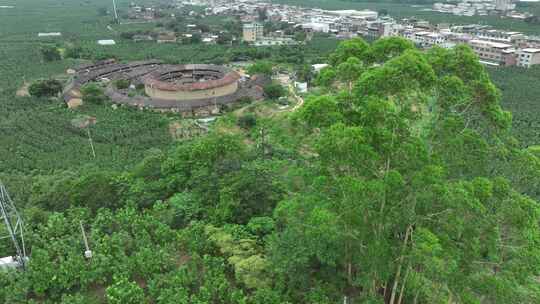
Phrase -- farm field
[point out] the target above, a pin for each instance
(37, 135)
(521, 90)
(123, 135)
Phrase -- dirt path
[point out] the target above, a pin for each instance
(299, 100)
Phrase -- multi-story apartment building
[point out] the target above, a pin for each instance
(528, 57)
(422, 38)
(253, 32)
(499, 36)
(492, 52)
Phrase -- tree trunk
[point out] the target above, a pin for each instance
(403, 286)
(349, 272)
(400, 264)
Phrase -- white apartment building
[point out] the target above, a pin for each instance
(528, 57)
(492, 52)
(429, 39)
(499, 36)
(425, 39)
(316, 27)
(363, 14)
(504, 5)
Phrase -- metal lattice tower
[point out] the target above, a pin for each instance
(13, 223)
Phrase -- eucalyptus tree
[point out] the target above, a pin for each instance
(413, 200)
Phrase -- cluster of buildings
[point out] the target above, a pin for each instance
(494, 47)
(143, 13)
(475, 7)
(308, 19)
(253, 33)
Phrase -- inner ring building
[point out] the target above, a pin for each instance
(190, 82)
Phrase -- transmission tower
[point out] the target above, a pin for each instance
(13, 226)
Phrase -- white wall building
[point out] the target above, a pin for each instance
(364, 14)
(504, 5)
(528, 57)
(317, 27)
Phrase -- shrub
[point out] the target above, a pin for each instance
(75, 52)
(50, 53)
(92, 93)
(127, 35)
(260, 67)
(122, 84)
(124, 292)
(247, 121)
(274, 91)
(45, 88)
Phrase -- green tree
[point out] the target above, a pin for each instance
(122, 84)
(406, 202)
(224, 38)
(274, 91)
(406, 73)
(247, 121)
(305, 73)
(356, 47)
(300, 36)
(96, 190)
(349, 71)
(75, 52)
(196, 38)
(260, 67)
(92, 93)
(320, 111)
(124, 292)
(50, 53)
(45, 88)
(326, 77)
(387, 48)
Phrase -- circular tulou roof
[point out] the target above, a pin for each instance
(224, 76)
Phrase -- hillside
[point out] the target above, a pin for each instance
(403, 176)
(360, 193)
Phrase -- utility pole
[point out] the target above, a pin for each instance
(263, 142)
(14, 226)
(87, 252)
(91, 142)
(115, 12)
